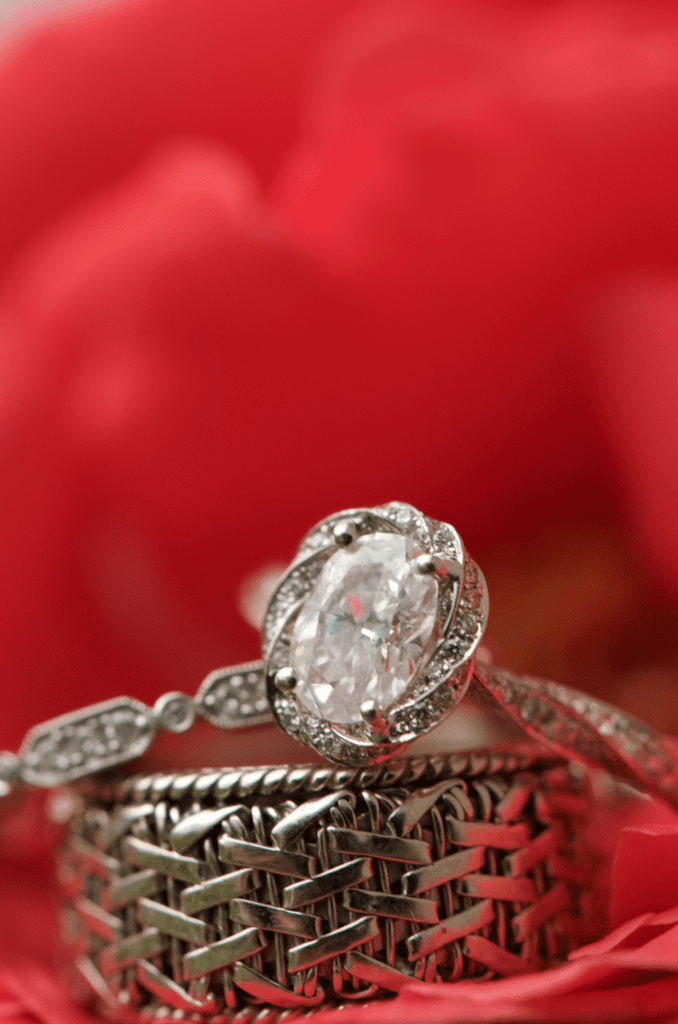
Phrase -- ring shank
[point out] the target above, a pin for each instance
(583, 729)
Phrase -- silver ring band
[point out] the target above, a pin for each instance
(219, 892)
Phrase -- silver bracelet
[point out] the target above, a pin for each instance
(217, 892)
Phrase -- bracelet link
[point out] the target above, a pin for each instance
(174, 712)
(82, 742)
(235, 697)
(115, 731)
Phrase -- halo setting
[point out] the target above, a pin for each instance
(369, 636)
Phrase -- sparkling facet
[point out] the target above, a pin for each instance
(364, 628)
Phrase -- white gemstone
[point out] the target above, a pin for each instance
(364, 628)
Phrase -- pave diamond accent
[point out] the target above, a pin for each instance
(364, 629)
(231, 698)
(90, 740)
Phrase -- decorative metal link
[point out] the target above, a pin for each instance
(109, 734)
(213, 893)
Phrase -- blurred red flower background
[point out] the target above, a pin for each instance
(265, 259)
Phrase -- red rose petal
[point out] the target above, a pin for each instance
(644, 875)
(629, 935)
(29, 990)
(486, 1004)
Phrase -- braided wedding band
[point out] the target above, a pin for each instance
(240, 894)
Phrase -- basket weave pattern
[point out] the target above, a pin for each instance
(223, 893)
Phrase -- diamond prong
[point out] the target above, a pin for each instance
(344, 533)
(369, 712)
(427, 564)
(285, 680)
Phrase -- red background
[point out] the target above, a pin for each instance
(264, 260)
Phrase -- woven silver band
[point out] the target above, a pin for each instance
(242, 894)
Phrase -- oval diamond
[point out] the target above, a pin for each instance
(364, 628)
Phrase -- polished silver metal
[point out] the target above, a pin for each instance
(427, 564)
(369, 711)
(378, 726)
(344, 533)
(237, 893)
(174, 712)
(285, 679)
